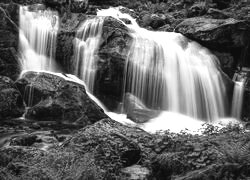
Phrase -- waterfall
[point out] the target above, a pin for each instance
(86, 46)
(166, 71)
(37, 38)
(237, 100)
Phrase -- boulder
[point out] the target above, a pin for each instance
(9, 63)
(74, 6)
(112, 58)
(137, 111)
(11, 102)
(98, 151)
(9, 29)
(53, 97)
(226, 34)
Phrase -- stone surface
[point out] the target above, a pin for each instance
(137, 111)
(53, 98)
(9, 63)
(112, 58)
(9, 25)
(216, 33)
(11, 102)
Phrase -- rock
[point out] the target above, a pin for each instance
(9, 63)
(215, 34)
(8, 29)
(79, 6)
(112, 58)
(226, 62)
(218, 14)
(136, 172)
(96, 151)
(11, 102)
(74, 6)
(53, 98)
(107, 137)
(197, 9)
(153, 20)
(137, 111)
(24, 140)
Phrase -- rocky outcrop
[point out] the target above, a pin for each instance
(216, 33)
(113, 54)
(9, 41)
(95, 152)
(53, 98)
(11, 102)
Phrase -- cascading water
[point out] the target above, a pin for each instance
(164, 70)
(238, 94)
(86, 46)
(168, 72)
(37, 39)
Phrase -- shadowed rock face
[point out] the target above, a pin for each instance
(11, 103)
(216, 33)
(52, 98)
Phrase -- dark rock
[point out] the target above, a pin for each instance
(25, 140)
(137, 111)
(79, 6)
(97, 151)
(11, 102)
(112, 58)
(153, 20)
(198, 9)
(217, 34)
(52, 98)
(227, 62)
(9, 27)
(109, 139)
(9, 63)
(74, 6)
(222, 4)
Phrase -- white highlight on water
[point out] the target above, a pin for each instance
(37, 38)
(86, 49)
(169, 72)
(238, 94)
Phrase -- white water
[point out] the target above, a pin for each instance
(166, 71)
(37, 39)
(86, 46)
(238, 94)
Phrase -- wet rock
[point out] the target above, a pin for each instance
(11, 102)
(53, 98)
(217, 34)
(227, 62)
(112, 58)
(137, 111)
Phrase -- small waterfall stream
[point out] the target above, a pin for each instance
(37, 38)
(86, 46)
